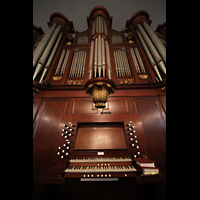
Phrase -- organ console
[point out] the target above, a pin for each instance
(72, 138)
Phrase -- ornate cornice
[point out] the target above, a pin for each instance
(138, 17)
(102, 11)
(62, 20)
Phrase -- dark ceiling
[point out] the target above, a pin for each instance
(78, 10)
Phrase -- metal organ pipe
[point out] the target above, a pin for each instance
(140, 60)
(99, 25)
(91, 59)
(108, 60)
(95, 58)
(116, 64)
(46, 52)
(51, 57)
(152, 49)
(158, 44)
(78, 64)
(103, 56)
(64, 62)
(135, 60)
(41, 46)
(151, 60)
(121, 63)
(99, 55)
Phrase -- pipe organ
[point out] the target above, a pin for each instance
(74, 139)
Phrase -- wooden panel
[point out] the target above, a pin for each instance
(84, 107)
(117, 106)
(151, 113)
(163, 101)
(100, 136)
(47, 136)
(36, 103)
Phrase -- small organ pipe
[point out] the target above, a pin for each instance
(140, 60)
(126, 63)
(83, 67)
(64, 62)
(60, 62)
(51, 57)
(41, 46)
(116, 64)
(73, 65)
(149, 56)
(123, 53)
(93, 27)
(46, 52)
(158, 44)
(76, 64)
(135, 60)
(121, 62)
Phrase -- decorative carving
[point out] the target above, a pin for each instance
(125, 81)
(35, 90)
(163, 88)
(74, 82)
(100, 90)
(57, 78)
(130, 37)
(143, 76)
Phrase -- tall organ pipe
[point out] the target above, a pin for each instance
(108, 60)
(151, 60)
(46, 52)
(152, 49)
(91, 58)
(99, 55)
(158, 44)
(103, 56)
(38, 51)
(95, 58)
(51, 56)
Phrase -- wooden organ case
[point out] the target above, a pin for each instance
(72, 139)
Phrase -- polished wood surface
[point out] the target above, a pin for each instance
(91, 136)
